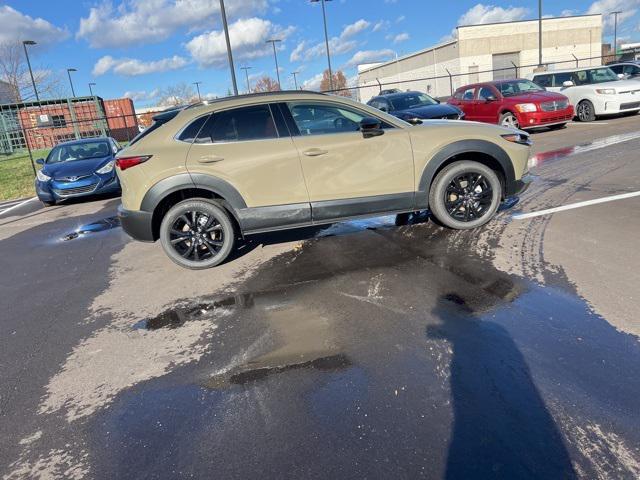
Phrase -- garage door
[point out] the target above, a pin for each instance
(503, 60)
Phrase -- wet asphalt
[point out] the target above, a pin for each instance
(367, 350)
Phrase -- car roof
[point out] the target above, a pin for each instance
(83, 140)
(568, 70)
(268, 96)
(399, 94)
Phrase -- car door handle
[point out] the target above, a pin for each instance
(210, 158)
(314, 152)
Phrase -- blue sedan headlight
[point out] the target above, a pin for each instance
(107, 168)
(42, 177)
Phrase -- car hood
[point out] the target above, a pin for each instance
(537, 97)
(75, 168)
(428, 111)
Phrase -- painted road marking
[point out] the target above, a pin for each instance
(613, 198)
(16, 205)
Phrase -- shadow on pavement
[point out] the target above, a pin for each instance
(502, 428)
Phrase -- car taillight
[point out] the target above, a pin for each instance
(127, 162)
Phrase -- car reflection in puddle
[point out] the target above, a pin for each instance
(94, 227)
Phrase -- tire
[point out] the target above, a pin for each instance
(454, 206)
(48, 204)
(207, 244)
(508, 119)
(559, 126)
(585, 111)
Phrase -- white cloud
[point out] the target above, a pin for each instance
(481, 13)
(150, 21)
(401, 37)
(369, 56)
(16, 26)
(337, 45)
(248, 37)
(141, 95)
(628, 9)
(380, 25)
(132, 67)
(312, 83)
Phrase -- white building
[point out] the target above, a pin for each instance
(479, 49)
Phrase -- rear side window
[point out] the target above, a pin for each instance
(190, 133)
(239, 124)
(560, 78)
(486, 93)
(542, 80)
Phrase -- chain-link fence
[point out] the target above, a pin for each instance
(28, 131)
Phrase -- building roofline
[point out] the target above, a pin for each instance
(529, 20)
(412, 54)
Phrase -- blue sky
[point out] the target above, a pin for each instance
(137, 47)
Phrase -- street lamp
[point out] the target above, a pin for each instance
(197, 84)
(91, 84)
(615, 31)
(273, 42)
(229, 54)
(246, 73)
(326, 40)
(295, 79)
(33, 82)
(539, 33)
(69, 70)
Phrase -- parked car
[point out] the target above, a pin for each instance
(628, 69)
(78, 168)
(201, 176)
(413, 107)
(513, 103)
(389, 91)
(594, 92)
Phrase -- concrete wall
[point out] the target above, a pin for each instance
(475, 47)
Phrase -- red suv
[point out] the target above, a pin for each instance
(513, 103)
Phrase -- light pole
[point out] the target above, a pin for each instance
(295, 79)
(273, 42)
(229, 54)
(539, 33)
(69, 70)
(91, 84)
(326, 40)
(197, 84)
(246, 74)
(615, 32)
(33, 82)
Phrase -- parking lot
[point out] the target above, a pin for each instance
(358, 350)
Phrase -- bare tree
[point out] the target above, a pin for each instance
(15, 71)
(266, 84)
(340, 86)
(178, 94)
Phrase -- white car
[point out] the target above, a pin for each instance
(593, 91)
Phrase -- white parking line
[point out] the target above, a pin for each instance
(522, 216)
(16, 205)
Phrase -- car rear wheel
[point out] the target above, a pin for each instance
(509, 120)
(585, 111)
(465, 195)
(197, 234)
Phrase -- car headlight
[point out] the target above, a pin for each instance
(42, 177)
(526, 107)
(107, 168)
(521, 138)
(606, 91)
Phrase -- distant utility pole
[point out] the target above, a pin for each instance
(91, 84)
(539, 33)
(246, 73)
(229, 54)
(273, 42)
(326, 40)
(26, 54)
(295, 79)
(69, 70)
(197, 84)
(615, 31)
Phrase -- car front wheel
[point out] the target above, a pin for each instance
(586, 112)
(465, 195)
(509, 120)
(197, 234)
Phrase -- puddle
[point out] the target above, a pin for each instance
(99, 226)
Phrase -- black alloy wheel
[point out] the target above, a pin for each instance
(586, 112)
(468, 196)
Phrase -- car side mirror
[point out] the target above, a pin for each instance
(568, 84)
(413, 121)
(622, 76)
(371, 127)
(40, 161)
(383, 109)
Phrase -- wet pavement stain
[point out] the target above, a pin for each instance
(94, 227)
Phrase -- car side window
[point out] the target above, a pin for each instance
(190, 132)
(543, 80)
(560, 78)
(630, 70)
(617, 68)
(327, 118)
(468, 94)
(239, 124)
(486, 93)
(458, 95)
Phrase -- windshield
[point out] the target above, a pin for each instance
(79, 151)
(411, 100)
(595, 75)
(518, 87)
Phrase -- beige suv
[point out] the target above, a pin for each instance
(202, 176)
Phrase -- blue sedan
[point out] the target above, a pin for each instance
(78, 168)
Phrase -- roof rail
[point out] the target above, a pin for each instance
(255, 94)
